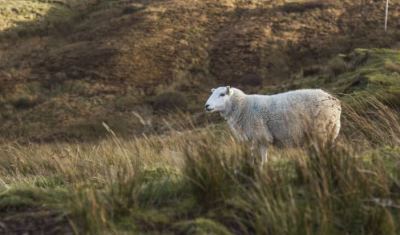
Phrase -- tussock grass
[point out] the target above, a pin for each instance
(196, 181)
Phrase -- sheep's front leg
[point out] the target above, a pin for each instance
(264, 154)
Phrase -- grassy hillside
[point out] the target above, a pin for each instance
(70, 65)
(102, 129)
(199, 180)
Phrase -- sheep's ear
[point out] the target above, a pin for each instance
(228, 90)
(213, 89)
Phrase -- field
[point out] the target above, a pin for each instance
(102, 128)
(201, 181)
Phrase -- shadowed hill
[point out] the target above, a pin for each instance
(70, 65)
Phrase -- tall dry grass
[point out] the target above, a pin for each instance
(197, 181)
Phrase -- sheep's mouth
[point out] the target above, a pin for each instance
(209, 109)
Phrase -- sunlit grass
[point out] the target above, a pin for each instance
(22, 15)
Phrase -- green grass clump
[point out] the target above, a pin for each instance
(24, 196)
(370, 77)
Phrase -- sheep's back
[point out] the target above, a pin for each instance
(296, 116)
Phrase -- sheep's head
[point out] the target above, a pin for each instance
(218, 99)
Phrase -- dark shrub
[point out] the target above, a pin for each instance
(251, 79)
(337, 66)
(125, 103)
(311, 71)
(132, 10)
(299, 7)
(170, 100)
(25, 102)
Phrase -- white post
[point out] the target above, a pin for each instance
(386, 14)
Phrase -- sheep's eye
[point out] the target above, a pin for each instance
(221, 95)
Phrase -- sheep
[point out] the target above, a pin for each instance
(284, 120)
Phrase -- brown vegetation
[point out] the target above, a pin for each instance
(83, 57)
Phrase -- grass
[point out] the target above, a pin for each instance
(362, 74)
(197, 181)
(34, 17)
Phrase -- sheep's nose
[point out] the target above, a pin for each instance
(207, 105)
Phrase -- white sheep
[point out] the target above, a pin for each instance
(284, 120)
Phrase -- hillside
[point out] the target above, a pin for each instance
(67, 66)
(102, 127)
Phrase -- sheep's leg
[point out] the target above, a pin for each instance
(253, 148)
(264, 154)
(259, 154)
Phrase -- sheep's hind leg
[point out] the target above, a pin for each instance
(253, 148)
